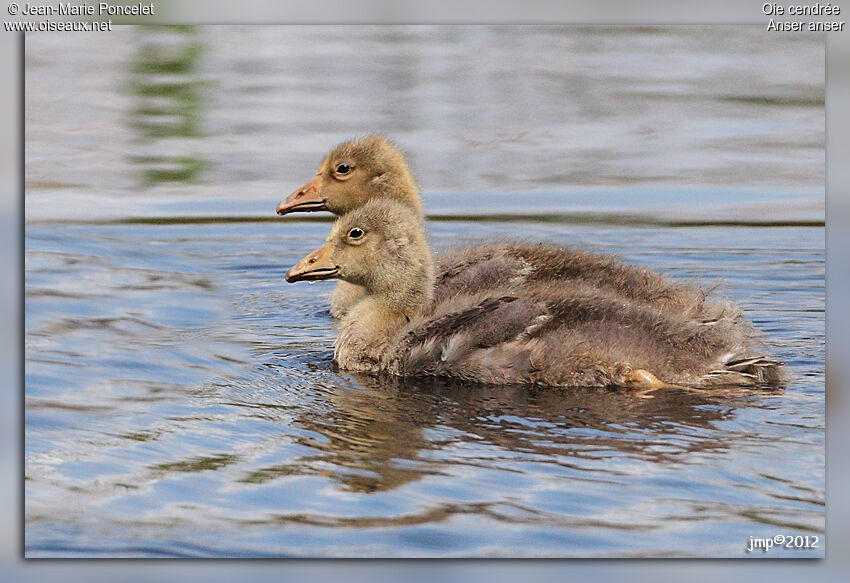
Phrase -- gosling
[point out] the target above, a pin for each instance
(549, 333)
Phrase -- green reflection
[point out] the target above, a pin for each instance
(167, 92)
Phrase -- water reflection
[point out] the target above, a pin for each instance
(379, 431)
(166, 89)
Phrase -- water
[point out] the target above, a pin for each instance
(181, 400)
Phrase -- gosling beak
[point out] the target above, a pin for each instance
(304, 199)
(317, 266)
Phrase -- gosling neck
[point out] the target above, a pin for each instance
(399, 185)
(402, 292)
(393, 297)
(369, 331)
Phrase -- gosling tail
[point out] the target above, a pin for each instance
(748, 372)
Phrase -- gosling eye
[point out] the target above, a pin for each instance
(343, 169)
(355, 233)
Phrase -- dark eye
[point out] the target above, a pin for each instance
(343, 169)
(355, 233)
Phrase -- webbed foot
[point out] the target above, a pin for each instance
(642, 379)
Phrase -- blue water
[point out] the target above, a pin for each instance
(180, 397)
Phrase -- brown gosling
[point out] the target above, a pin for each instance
(552, 333)
(361, 170)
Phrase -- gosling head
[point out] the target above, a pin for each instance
(380, 246)
(353, 173)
